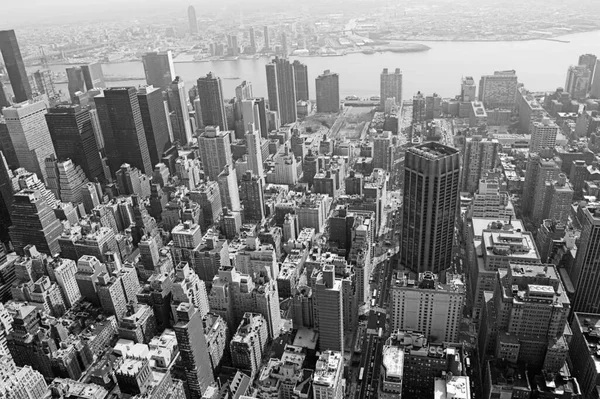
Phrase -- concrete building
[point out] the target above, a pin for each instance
(328, 92)
(215, 151)
(383, 151)
(431, 187)
(491, 203)
(251, 195)
(188, 288)
(212, 105)
(422, 303)
(578, 81)
(390, 86)
(248, 343)
(180, 115)
(584, 360)
(480, 156)
(498, 90)
(543, 135)
(328, 309)
(253, 148)
(281, 87)
(217, 338)
(328, 379)
(584, 276)
(530, 110)
(468, 89)
(13, 61)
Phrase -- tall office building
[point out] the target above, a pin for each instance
(301, 80)
(383, 151)
(254, 150)
(251, 195)
(4, 99)
(480, 155)
(228, 188)
(156, 124)
(93, 76)
(595, 89)
(328, 380)
(76, 82)
(390, 85)
(578, 80)
(543, 135)
(267, 42)
(182, 129)
(499, 90)
(589, 60)
(281, 87)
(232, 45)
(328, 309)
(126, 140)
(431, 197)
(34, 223)
(193, 20)
(468, 89)
(254, 111)
(30, 136)
(9, 47)
(585, 276)
(193, 350)
(210, 92)
(328, 92)
(215, 151)
(410, 295)
(159, 68)
(252, 38)
(73, 137)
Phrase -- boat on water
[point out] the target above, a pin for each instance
(232, 78)
(368, 51)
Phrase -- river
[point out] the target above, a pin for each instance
(540, 64)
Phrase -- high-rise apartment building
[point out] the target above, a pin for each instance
(328, 380)
(540, 169)
(252, 38)
(491, 203)
(180, 120)
(30, 136)
(422, 303)
(578, 81)
(193, 20)
(156, 124)
(480, 155)
(543, 135)
(390, 86)
(254, 150)
(13, 61)
(267, 42)
(125, 140)
(187, 287)
(254, 112)
(210, 92)
(468, 89)
(383, 151)
(228, 187)
(281, 87)
(431, 191)
(159, 69)
(328, 308)
(243, 91)
(584, 275)
(73, 137)
(499, 90)
(248, 344)
(418, 110)
(328, 92)
(34, 223)
(301, 80)
(215, 151)
(251, 195)
(193, 350)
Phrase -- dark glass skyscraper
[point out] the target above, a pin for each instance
(301, 78)
(125, 141)
(93, 76)
(15, 66)
(281, 88)
(73, 138)
(34, 223)
(156, 125)
(328, 92)
(251, 195)
(76, 81)
(210, 92)
(431, 197)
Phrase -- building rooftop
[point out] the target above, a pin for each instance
(328, 366)
(393, 361)
(508, 375)
(454, 387)
(507, 243)
(433, 150)
(589, 325)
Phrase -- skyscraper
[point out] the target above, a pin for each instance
(228, 188)
(251, 195)
(159, 68)
(328, 381)
(301, 80)
(182, 129)
(499, 90)
(73, 137)
(30, 135)
(468, 89)
(76, 81)
(193, 21)
(431, 193)
(382, 151)
(480, 155)
(210, 92)
(585, 276)
(252, 40)
(93, 76)
(391, 86)
(215, 151)
(329, 314)
(254, 150)
(595, 90)
(193, 350)
(9, 47)
(4, 99)
(267, 46)
(281, 87)
(126, 140)
(578, 80)
(243, 91)
(328, 92)
(254, 111)
(34, 223)
(543, 135)
(156, 124)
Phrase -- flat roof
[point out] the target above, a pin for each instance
(393, 361)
